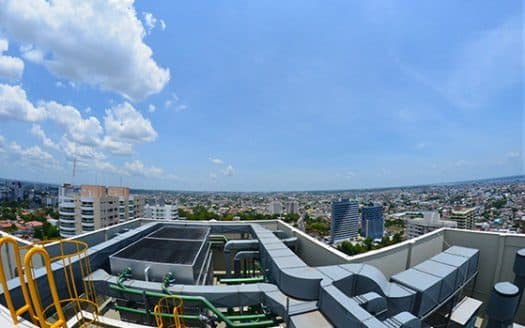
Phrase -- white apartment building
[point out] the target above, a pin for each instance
(275, 207)
(90, 208)
(161, 212)
(130, 206)
(430, 221)
(464, 218)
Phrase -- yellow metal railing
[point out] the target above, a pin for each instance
(172, 305)
(72, 264)
(15, 313)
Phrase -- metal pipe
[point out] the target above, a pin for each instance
(146, 273)
(243, 255)
(236, 245)
(502, 305)
(203, 300)
(519, 272)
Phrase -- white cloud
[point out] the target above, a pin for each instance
(15, 106)
(46, 141)
(11, 68)
(213, 176)
(228, 171)
(124, 123)
(512, 155)
(174, 101)
(83, 131)
(162, 24)
(151, 108)
(217, 161)
(420, 145)
(150, 21)
(82, 153)
(117, 147)
(138, 168)
(98, 42)
(32, 156)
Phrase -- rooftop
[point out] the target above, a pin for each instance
(274, 262)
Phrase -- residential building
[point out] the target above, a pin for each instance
(275, 208)
(292, 207)
(85, 209)
(161, 212)
(373, 222)
(345, 220)
(130, 206)
(464, 218)
(430, 221)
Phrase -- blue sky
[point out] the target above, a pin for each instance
(248, 95)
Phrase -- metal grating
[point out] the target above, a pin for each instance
(192, 233)
(162, 251)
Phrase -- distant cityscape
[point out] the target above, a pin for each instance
(353, 221)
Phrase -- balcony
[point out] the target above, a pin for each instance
(66, 219)
(87, 216)
(67, 228)
(89, 224)
(86, 207)
(67, 205)
(66, 213)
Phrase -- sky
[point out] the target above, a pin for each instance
(261, 95)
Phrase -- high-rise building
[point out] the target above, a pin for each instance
(430, 221)
(345, 220)
(161, 212)
(372, 223)
(130, 206)
(464, 218)
(292, 207)
(92, 207)
(275, 208)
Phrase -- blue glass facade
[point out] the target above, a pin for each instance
(345, 220)
(372, 224)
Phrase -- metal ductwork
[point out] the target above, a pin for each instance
(291, 242)
(237, 245)
(519, 272)
(241, 256)
(503, 304)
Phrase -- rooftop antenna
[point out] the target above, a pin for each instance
(74, 171)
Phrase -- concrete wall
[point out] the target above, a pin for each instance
(496, 258)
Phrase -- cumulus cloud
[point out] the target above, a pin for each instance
(14, 105)
(46, 141)
(33, 156)
(228, 171)
(117, 147)
(217, 161)
(138, 168)
(85, 131)
(151, 108)
(97, 42)
(150, 21)
(11, 68)
(124, 122)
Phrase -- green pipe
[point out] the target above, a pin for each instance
(221, 237)
(203, 300)
(233, 281)
(165, 315)
(246, 316)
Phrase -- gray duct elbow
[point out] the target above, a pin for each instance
(242, 256)
(291, 242)
(237, 245)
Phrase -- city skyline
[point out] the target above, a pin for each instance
(326, 97)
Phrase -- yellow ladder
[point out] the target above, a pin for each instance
(70, 252)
